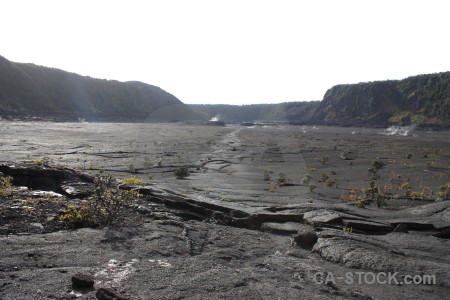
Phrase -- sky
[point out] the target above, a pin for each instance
(228, 51)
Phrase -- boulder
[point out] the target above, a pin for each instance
(305, 238)
(81, 280)
(108, 294)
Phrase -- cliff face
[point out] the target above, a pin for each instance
(31, 88)
(423, 99)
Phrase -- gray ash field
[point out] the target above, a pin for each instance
(268, 212)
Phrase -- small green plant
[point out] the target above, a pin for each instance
(27, 210)
(131, 168)
(323, 178)
(347, 229)
(373, 191)
(132, 181)
(77, 217)
(324, 159)
(42, 162)
(312, 187)
(283, 180)
(426, 193)
(267, 175)
(409, 156)
(406, 189)
(377, 166)
(182, 173)
(361, 203)
(148, 163)
(5, 184)
(444, 192)
(306, 179)
(331, 182)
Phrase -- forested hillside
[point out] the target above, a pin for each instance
(42, 90)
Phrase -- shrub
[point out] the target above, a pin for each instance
(377, 165)
(131, 168)
(444, 192)
(323, 178)
(306, 179)
(283, 180)
(5, 184)
(77, 217)
(44, 162)
(182, 173)
(105, 207)
(405, 187)
(324, 160)
(148, 163)
(373, 191)
(132, 181)
(331, 182)
(267, 175)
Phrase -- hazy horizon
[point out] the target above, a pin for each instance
(234, 52)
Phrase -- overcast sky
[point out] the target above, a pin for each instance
(236, 52)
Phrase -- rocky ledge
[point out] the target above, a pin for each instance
(170, 246)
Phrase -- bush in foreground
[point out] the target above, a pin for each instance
(181, 173)
(105, 207)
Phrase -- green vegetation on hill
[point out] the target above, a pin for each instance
(421, 99)
(27, 87)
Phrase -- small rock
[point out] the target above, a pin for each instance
(306, 238)
(347, 156)
(401, 228)
(107, 294)
(51, 218)
(82, 280)
(37, 225)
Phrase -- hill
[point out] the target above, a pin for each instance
(422, 99)
(28, 89)
(31, 89)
